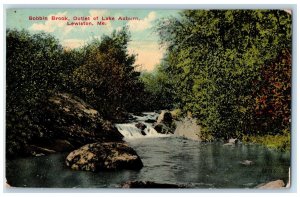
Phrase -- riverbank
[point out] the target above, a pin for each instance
(169, 159)
(278, 142)
(187, 126)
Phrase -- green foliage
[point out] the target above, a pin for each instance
(230, 68)
(107, 79)
(281, 142)
(214, 57)
(101, 73)
(158, 89)
(176, 114)
(71, 60)
(34, 69)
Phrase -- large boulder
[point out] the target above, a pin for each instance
(104, 156)
(67, 117)
(188, 128)
(61, 123)
(164, 123)
(164, 117)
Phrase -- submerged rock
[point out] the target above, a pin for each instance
(158, 128)
(150, 184)
(278, 184)
(104, 156)
(140, 126)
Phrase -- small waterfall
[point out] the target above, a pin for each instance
(130, 131)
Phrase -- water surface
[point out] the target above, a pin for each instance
(166, 160)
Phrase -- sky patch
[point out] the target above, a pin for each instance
(144, 40)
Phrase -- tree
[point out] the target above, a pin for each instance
(107, 78)
(33, 67)
(215, 55)
(273, 96)
(33, 71)
(158, 89)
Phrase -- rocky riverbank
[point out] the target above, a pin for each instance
(93, 144)
(68, 124)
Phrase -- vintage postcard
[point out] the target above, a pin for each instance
(148, 98)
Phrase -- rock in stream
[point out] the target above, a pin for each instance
(104, 156)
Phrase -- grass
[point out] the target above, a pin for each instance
(281, 142)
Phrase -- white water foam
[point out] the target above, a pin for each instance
(146, 116)
(130, 131)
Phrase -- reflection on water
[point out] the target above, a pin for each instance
(167, 160)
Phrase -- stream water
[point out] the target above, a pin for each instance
(166, 158)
